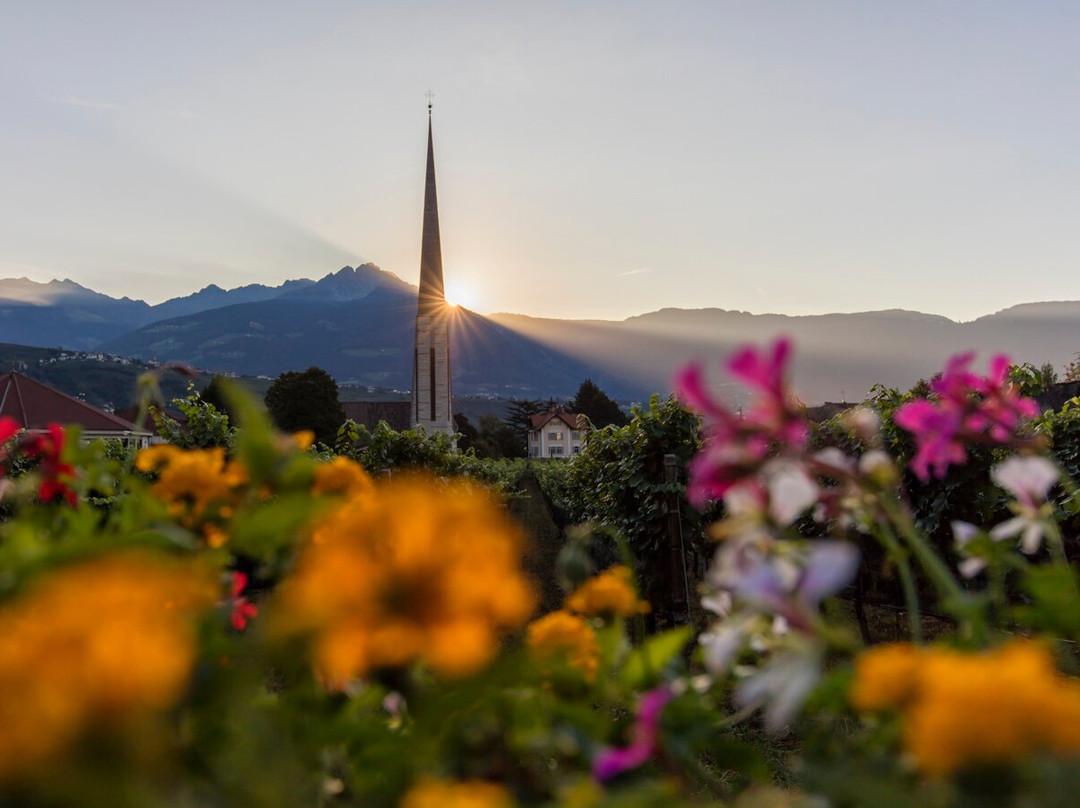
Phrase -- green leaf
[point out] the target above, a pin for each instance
(647, 660)
(1056, 606)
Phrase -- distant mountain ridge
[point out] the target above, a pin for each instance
(357, 323)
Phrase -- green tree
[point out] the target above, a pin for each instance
(466, 432)
(205, 426)
(1072, 370)
(1049, 374)
(517, 417)
(597, 406)
(307, 400)
(215, 395)
(496, 439)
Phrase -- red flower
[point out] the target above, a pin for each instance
(242, 610)
(8, 429)
(55, 473)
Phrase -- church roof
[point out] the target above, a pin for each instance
(34, 405)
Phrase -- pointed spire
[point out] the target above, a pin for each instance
(432, 294)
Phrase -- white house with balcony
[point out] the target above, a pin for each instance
(556, 433)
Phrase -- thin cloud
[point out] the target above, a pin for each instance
(639, 271)
(87, 103)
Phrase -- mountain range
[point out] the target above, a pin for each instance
(357, 323)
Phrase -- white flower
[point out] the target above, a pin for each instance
(963, 533)
(1029, 478)
(783, 684)
(791, 491)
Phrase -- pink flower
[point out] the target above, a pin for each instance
(242, 610)
(644, 738)
(737, 445)
(936, 430)
(967, 409)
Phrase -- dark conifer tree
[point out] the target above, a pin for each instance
(594, 403)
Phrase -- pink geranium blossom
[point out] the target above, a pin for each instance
(738, 444)
(966, 408)
(644, 738)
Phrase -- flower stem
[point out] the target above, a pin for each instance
(907, 581)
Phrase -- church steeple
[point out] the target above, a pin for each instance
(432, 407)
(432, 291)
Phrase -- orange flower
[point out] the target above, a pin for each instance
(417, 570)
(94, 645)
(195, 482)
(341, 476)
(468, 794)
(565, 635)
(960, 708)
(609, 593)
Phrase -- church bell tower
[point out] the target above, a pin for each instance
(431, 397)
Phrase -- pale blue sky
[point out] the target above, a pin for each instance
(594, 159)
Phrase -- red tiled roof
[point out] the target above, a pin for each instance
(34, 405)
(542, 419)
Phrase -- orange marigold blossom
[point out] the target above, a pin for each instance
(417, 570)
(962, 708)
(562, 634)
(341, 476)
(609, 593)
(94, 644)
(192, 481)
(431, 793)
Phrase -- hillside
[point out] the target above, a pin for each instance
(358, 325)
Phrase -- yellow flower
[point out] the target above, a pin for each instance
(468, 794)
(609, 593)
(960, 709)
(95, 644)
(192, 480)
(417, 570)
(341, 476)
(562, 634)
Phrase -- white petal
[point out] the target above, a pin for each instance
(784, 683)
(970, 567)
(722, 644)
(872, 461)
(829, 567)
(791, 491)
(832, 456)
(1031, 541)
(963, 532)
(1027, 478)
(1008, 528)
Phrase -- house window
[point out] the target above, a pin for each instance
(577, 449)
(555, 435)
(555, 451)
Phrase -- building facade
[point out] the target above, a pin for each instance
(556, 433)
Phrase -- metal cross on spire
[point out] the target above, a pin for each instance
(430, 100)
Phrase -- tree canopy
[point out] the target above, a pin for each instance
(306, 400)
(600, 408)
